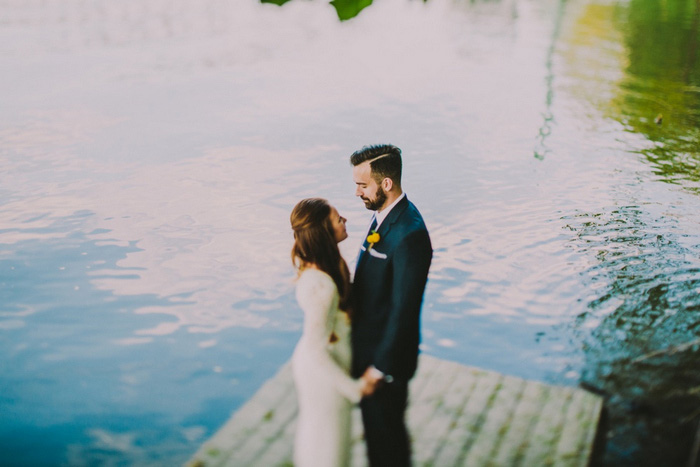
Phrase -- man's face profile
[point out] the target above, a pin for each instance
(371, 193)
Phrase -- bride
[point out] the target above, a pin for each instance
(321, 360)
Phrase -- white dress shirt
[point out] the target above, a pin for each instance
(380, 216)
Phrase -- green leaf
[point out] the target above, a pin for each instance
(349, 8)
(275, 2)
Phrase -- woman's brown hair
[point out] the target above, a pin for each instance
(315, 243)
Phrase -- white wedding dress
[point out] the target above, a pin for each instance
(325, 391)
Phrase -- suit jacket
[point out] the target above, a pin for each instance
(387, 295)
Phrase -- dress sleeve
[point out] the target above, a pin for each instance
(315, 295)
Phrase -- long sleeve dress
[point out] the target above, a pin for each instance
(325, 391)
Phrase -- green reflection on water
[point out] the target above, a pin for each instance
(643, 353)
(659, 96)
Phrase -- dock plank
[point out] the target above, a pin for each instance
(517, 436)
(246, 422)
(426, 403)
(428, 440)
(501, 408)
(460, 438)
(457, 415)
(279, 452)
(267, 433)
(571, 445)
(542, 448)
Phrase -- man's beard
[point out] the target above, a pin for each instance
(376, 203)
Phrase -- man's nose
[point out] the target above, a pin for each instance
(358, 192)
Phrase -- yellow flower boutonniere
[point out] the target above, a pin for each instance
(373, 238)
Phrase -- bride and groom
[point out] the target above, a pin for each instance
(360, 340)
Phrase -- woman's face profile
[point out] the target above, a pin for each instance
(338, 223)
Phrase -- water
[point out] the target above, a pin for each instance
(151, 151)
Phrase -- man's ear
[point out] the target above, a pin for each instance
(387, 184)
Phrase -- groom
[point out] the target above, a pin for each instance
(390, 277)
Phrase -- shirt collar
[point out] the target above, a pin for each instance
(380, 216)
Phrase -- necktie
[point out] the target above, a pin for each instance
(371, 229)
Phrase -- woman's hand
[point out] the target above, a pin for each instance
(366, 388)
(370, 383)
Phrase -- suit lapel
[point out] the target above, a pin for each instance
(392, 217)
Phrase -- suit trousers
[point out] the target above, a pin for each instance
(383, 416)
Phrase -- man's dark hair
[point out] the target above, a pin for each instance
(385, 161)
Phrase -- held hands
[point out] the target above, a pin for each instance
(372, 380)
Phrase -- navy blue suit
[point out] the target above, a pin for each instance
(387, 296)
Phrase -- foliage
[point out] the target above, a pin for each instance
(346, 9)
(275, 2)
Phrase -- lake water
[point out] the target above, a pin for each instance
(151, 151)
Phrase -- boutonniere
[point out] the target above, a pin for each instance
(373, 238)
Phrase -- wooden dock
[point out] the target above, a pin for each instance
(457, 415)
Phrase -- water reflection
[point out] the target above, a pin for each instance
(639, 330)
(173, 158)
(45, 282)
(642, 350)
(660, 96)
(202, 232)
(75, 372)
(656, 94)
